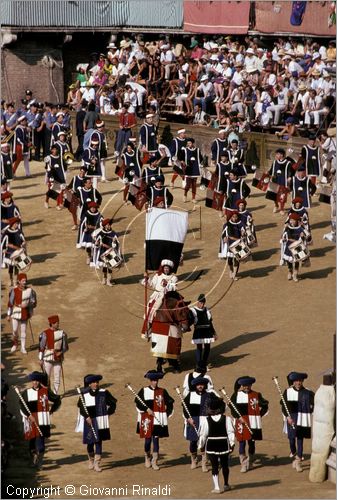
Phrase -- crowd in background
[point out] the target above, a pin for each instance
(214, 81)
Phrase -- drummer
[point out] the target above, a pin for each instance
(293, 232)
(232, 231)
(12, 240)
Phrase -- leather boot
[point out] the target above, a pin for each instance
(91, 460)
(194, 460)
(154, 461)
(97, 463)
(39, 460)
(204, 467)
(147, 460)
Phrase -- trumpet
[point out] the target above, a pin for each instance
(68, 157)
(8, 137)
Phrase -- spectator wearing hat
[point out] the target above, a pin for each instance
(6, 160)
(313, 108)
(90, 222)
(104, 240)
(205, 93)
(274, 110)
(22, 300)
(217, 437)
(12, 239)
(167, 59)
(197, 403)
(152, 421)
(8, 209)
(293, 231)
(159, 195)
(41, 403)
(252, 407)
(99, 404)
(21, 145)
(204, 333)
(53, 343)
(300, 404)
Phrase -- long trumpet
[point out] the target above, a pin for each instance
(128, 386)
(230, 402)
(8, 137)
(186, 409)
(275, 380)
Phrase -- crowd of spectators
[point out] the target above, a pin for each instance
(288, 83)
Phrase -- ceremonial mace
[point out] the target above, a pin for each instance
(275, 379)
(86, 411)
(16, 389)
(230, 402)
(186, 409)
(143, 403)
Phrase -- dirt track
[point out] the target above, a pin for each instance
(266, 326)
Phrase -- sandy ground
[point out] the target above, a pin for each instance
(266, 326)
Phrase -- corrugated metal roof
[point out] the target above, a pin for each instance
(92, 13)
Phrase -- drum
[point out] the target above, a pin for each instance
(325, 194)
(250, 237)
(272, 191)
(299, 250)
(112, 259)
(71, 202)
(21, 260)
(260, 180)
(240, 250)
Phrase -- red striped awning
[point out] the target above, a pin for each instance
(216, 17)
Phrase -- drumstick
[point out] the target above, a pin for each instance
(275, 379)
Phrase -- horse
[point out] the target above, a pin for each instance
(169, 324)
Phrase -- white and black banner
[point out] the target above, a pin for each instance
(165, 234)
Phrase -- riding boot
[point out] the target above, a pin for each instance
(97, 463)
(204, 467)
(297, 464)
(216, 488)
(154, 460)
(148, 460)
(91, 457)
(159, 365)
(194, 460)
(34, 456)
(250, 460)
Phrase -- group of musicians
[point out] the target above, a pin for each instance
(208, 427)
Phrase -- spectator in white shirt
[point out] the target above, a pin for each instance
(206, 93)
(275, 110)
(167, 59)
(250, 61)
(313, 108)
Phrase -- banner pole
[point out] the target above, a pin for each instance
(200, 222)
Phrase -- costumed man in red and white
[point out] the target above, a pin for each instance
(252, 407)
(152, 419)
(22, 301)
(36, 415)
(53, 343)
